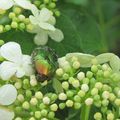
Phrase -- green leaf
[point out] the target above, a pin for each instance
(84, 59)
(81, 31)
(57, 86)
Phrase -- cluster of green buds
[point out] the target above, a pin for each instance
(31, 102)
(17, 18)
(89, 88)
(50, 4)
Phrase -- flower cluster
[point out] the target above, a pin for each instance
(40, 19)
(82, 82)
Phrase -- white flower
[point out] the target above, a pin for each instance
(44, 21)
(17, 64)
(7, 4)
(8, 94)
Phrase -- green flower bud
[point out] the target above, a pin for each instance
(75, 83)
(85, 81)
(81, 93)
(7, 27)
(77, 105)
(46, 100)
(106, 74)
(18, 85)
(112, 97)
(20, 97)
(39, 95)
(65, 76)
(100, 73)
(26, 105)
(77, 98)
(105, 102)
(96, 97)
(42, 106)
(52, 5)
(117, 102)
(18, 109)
(98, 103)
(11, 15)
(99, 85)
(29, 27)
(81, 75)
(98, 116)
(89, 101)
(21, 17)
(94, 69)
(62, 105)
(62, 96)
(33, 101)
(76, 65)
(89, 74)
(2, 42)
(44, 112)
(71, 79)
(110, 116)
(54, 107)
(37, 114)
(104, 67)
(69, 103)
(51, 115)
(94, 91)
(57, 13)
(69, 93)
(18, 118)
(37, 3)
(105, 95)
(46, 1)
(85, 87)
(53, 97)
(32, 118)
(22, 26)
(27, 21)
(28, 93)
(65, 85)
(59, 72)
(104, 109)
(17, 10)
(1, 28)
(14, 24)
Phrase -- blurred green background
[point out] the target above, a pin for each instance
(89, 26)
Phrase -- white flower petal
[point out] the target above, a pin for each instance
(47, 26)
(7, 70)
(33, 20)
(24, 4)
(6, 4)
(12, 52)
(27, 59)
(28, 69)
(52, 20)
(8, 94)
(35, 11)
(56, 35)
(41, 38)
(20, 72)
(6, 115)
(45, 14)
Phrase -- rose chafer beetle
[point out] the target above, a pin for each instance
(45, 62)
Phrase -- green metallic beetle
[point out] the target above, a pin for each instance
(45, 62)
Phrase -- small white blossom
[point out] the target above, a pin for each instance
(62, 96)
(46, 100)
(17, 64)
(7, 4)
(81, 75)
(89, 101)
(85, 87)
(44, 21)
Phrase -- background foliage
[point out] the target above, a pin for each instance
(89, 26)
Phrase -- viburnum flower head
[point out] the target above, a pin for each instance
(16, 63)
(7, 4)
(43, 22)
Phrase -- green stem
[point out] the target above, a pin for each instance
(85, 112)
(102, 24)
